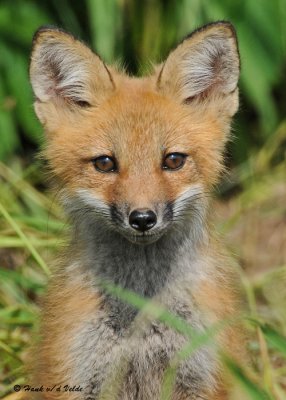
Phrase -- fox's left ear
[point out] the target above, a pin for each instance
(204, 65)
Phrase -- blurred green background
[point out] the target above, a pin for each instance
(251, 199)
(135, 32)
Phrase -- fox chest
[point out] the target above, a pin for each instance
(113, 362)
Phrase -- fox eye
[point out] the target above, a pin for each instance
(174, 161)
(104, 164)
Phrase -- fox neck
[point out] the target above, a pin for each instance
(144, 269)
(148, 270)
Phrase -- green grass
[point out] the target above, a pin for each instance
(32, 233)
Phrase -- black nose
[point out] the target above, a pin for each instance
(142, 219)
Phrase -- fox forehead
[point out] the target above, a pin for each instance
(136, 119)
(138, 126)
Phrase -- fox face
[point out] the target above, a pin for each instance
(137, 156)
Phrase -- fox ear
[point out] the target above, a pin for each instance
(206, 63)
(63, 68)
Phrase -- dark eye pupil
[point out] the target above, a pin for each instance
(174, 161)
(104, 164)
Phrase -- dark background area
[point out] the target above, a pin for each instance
(136, 33)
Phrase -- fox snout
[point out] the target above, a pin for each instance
(140, 225)
(142, 219)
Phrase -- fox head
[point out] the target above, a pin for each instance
(136, 155)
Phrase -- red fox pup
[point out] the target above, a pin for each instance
(135, 160)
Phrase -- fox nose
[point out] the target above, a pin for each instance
(142, 219)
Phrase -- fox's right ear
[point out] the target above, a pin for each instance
(65, 71)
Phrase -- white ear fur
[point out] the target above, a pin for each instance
(205, 63)
(62, 67)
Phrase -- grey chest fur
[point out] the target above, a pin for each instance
(118, 355)
(128, 363)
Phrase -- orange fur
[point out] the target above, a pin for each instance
(221, 300)
(89, 109)
(68, 304)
